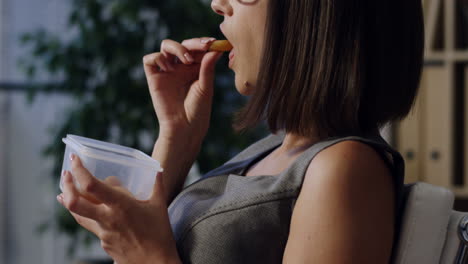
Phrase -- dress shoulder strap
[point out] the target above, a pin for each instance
(391, 156)
(260, 146)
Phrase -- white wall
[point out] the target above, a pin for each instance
(2, 33)
(22, 16)
(3, 116)
(3, 176)
(27, 196)
(31, 193)
(31, 199)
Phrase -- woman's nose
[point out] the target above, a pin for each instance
(221, 7)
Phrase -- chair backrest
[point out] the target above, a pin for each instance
(430, 231)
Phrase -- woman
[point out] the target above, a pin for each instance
(324, 188)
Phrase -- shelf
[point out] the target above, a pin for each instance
(461, 55)
(460, 192)
(456, 56)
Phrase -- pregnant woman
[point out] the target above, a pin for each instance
(324, 187)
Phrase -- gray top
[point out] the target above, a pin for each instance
(229, 218)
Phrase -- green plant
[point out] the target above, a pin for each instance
(99, 64)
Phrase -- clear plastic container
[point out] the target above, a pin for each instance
(134, 170)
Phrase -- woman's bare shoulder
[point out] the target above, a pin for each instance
(344, 213)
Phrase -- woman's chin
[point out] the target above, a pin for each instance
(244, 88)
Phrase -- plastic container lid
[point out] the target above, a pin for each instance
(111, 152)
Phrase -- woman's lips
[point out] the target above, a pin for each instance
(231, 58)
(231, 54)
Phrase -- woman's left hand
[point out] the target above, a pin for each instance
(130, 230)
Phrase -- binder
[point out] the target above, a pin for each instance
(432, 9)
(409, 140)
(437, 125)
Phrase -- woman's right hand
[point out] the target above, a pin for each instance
(182, 93)
(180, 79)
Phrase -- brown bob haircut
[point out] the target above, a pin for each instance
(337, 67)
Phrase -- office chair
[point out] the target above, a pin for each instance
(431, 231)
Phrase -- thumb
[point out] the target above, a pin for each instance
(159, 193)
(199, 98)
(207, 69)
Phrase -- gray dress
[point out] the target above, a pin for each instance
(229, 218)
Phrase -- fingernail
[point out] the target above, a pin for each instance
(64, 172)
(204, 41)
(72, 156)
(59, 198)
(189, 57)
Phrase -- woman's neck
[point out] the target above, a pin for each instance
(282, 157)
(294, 144)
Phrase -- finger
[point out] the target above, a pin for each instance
(155, 62)
(198, 44)
(89, 224)
(91, 186)
(74, 202)
(202, 92)
(197, 48)
(172, 48)
(112, 181)
(198, 56)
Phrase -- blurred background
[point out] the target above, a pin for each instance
(74, 67)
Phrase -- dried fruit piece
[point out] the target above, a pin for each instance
(221, 45)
